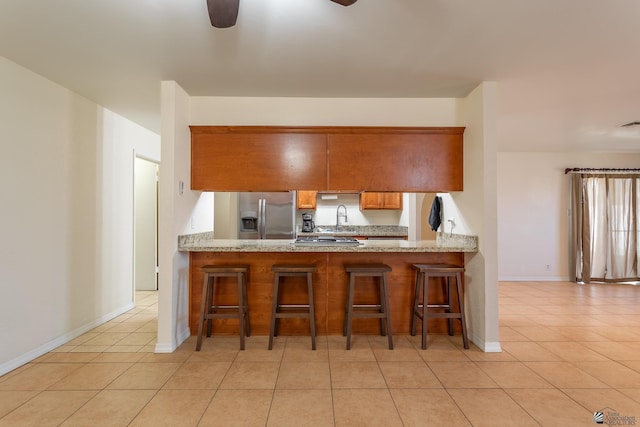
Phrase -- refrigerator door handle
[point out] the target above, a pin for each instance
(264, 218)
(259, 218)
(262, 207)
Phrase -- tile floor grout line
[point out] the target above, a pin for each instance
(533, 417)
(333, 406)
(275, 385)
(142, 408)
(39, 392)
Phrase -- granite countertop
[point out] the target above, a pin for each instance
(358, 230)
(204, 242)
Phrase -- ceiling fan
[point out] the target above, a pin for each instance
(224, 13)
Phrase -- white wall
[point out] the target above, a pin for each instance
(476, 209)
(67, 198)
(225, 215)
(118, 141)
(181, 211)
(323, 111)
(450, 212)
(533, 203)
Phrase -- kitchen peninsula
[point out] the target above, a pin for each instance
(329, 282)
(349, 159)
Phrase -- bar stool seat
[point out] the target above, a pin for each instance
(209, 310)
(379, 310)
(421, 307)
(279, 310)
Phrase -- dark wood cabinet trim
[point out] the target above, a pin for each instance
(328, 129)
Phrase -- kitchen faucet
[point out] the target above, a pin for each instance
(338, 215)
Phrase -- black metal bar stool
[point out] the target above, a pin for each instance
(422, 308)
(210, 310)
(380, 310)
(292, 310)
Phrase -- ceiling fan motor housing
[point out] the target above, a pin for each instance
(224, 13)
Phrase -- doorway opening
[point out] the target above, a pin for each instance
(145, 225)
(426, 233)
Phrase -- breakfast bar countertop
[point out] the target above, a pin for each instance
(204, 242)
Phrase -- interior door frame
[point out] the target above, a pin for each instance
(156, 196)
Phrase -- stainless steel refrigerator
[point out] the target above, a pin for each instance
(267, 215)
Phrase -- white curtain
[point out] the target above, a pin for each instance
(605, 231)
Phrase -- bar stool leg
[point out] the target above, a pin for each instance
(240, 308)
(381, 287)
(384, 300)
(247, 324)
(203, 311)
(349, 317)
(276, 327)
(449, 304)
(209, 298)
(274, 309)
(416, 303)
(346, 311)
(465, 339)
(312, 314)
(425, 292)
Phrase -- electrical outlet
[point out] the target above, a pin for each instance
(547, 267)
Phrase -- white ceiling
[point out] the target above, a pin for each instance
(568, 71)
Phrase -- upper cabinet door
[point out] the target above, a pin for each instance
(387, 159)
(372, 200)
(257, 159)
(306, 199)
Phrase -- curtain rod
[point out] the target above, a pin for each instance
(567, 170)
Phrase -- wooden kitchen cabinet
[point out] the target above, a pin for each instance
(306, 199)
(353, 159)
(396, 159)
(257, 159)
(387, 200)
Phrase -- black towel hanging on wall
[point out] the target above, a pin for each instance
(435, 216)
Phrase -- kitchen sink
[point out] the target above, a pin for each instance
(326, 241)
(339, 229)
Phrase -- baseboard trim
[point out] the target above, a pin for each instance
(171, 347)
(186, 333)
(164, 348)
(61, 340)
(492, 347)
(534, 279)
(486, 346)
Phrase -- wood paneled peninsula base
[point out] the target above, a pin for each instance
(329, 281)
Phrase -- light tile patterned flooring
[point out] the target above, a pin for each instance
(568, 351)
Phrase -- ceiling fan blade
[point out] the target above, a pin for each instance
(223, 13)
(345, 2)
